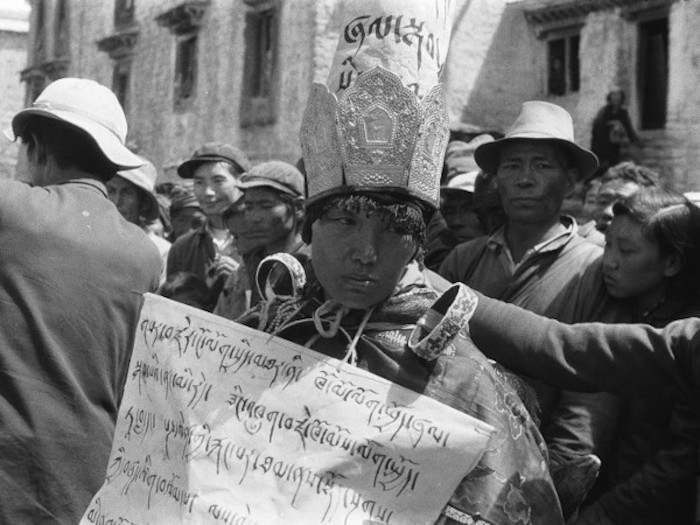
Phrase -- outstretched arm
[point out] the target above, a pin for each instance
(620, 358)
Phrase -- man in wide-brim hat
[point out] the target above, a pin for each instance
(538, 261)
(72, 272)
(373, 156)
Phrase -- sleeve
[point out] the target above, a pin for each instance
(173, 262)
(666, 482)
(624, 359)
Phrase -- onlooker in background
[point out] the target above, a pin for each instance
(619, 182)
(487, 202)
(536, 255)
(457, 193)
(650, 264)
(272, 205)
(132, 192)
(587, 223)
(457, 207)
(187, 288)
(209, 251)
(72, 272)
(185, 213)
(612, 127)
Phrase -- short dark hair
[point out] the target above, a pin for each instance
(673, 223)
(187, 282)
(68, 145)
(628, 171)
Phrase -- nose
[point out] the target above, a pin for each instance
(365, 250)
(609, 260)
(526, 177)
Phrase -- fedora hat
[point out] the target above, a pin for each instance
(144, 178)
(90, 107)
(540, 121)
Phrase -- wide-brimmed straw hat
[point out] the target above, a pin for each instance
(144, 178)
(540, 121)
(89, 106)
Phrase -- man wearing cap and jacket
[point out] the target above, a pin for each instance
(273, 209)
(532, 261)
(132, 192)
(209, 251)
(72, 273)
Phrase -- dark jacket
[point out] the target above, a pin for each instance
(72, 273)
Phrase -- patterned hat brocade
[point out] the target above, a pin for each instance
(377, 135)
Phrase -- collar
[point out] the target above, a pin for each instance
(498, 238)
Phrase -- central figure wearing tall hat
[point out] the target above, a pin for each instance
(373, 141)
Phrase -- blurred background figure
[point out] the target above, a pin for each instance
(132, 192)
(487, 202)
(457, 207)
(457, 192)
(272, 215)
(612, 128)
(617, 183)
(209, 251)
(185, 213)
(187, 288)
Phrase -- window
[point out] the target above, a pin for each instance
(563, 69)
(185, 68)
(261, 37)
(40, 35)
(123, 13)
(653, 73)
(121, 78)
(184, 22)
(61, 33)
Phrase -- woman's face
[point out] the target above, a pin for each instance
(633, 266)
(359, 259)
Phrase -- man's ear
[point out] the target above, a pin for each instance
(572, 177)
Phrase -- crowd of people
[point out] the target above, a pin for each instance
(528, 219)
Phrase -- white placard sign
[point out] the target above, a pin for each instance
(221, 423)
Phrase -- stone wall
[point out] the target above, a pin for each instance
(13, 57)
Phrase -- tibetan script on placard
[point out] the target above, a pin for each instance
(221, 423)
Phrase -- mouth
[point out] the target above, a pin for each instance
(359, 279)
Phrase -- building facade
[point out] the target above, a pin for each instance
(14, 36)
(240, 71)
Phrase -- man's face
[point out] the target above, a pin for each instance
(359, 259)
(609, 193)
(127, 197)
(533, 181)
(458, 210)
(185, 220)
(270, 220)
(215, 187)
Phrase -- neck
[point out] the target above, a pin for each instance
(216, 222)
(522, 237)
(286, 244)
(648, 301)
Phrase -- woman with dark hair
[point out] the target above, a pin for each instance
(650, 266)
(612, 127)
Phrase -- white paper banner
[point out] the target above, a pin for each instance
(221, 423)
(408, 37)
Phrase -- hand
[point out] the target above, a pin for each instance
(220, 270)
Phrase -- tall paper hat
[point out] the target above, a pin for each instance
(380, 123)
